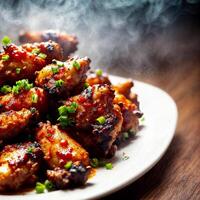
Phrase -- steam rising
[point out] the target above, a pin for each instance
(108, 31)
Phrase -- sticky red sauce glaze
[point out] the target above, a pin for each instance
(15, 53)
(24, 100)
(92, 103)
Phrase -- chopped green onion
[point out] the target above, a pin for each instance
(64, 121)
(35, 51)
(57, 62)
(99, 72)
(5, 57)
(125, 135)
(6, 89)
(54, 70)
(39, 187)
(86, 85)
(76, 65)
(108, 165)
(30, 150)
(59, 83)
(21, 84)
(34, 98)
(72, 108)
(68, 165)
(33, 110)
(101, 120)
(6, 40)
(18, 70)
(62, 110)
(94, 162)
(49, 185)
(42, 55)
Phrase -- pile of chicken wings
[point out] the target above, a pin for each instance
(56, 114)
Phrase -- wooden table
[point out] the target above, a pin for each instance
(177, 175)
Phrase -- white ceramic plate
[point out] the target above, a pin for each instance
(144, 151)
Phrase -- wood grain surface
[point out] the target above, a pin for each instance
(177, 175)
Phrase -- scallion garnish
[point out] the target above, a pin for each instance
(39, 188)
(42, 55)
(99, 72)
(34, 98)
(35, 51)
(108, 166)
(94, 162)
(49, 185)
(20, 85)
(68, 165)
(6, 89)
(59, 83)
(76, 65)
(18, 70)
(101, 120)
(5, 57)
(86, 85)
(54, 70)
(6, 40)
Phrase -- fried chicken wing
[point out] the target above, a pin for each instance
(13, 122)
(99, 139)
(35, 97)
(18, 62)
(67, 42)
(93, 102)
(63, 77)
(19, 165)
(92, 105)
(59, 147)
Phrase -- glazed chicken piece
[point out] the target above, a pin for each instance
(35, 97)
(18, 62)
(94, 78)
(58, 147)
(99, 138)
(128, 110)
(13, 122)
(19, 164)
(67, 42)
(62, 78)
(96, 120)
(93, 102)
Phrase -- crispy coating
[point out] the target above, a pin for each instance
(58, 147)
(19, 165)
(13, 122)
(67, 42)
(125, 89)
(77, 175)
(99, 139)
(21, 62)
(130, 119)
(35, 97)
(93, 102)
(71, 73)
(93, 79)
